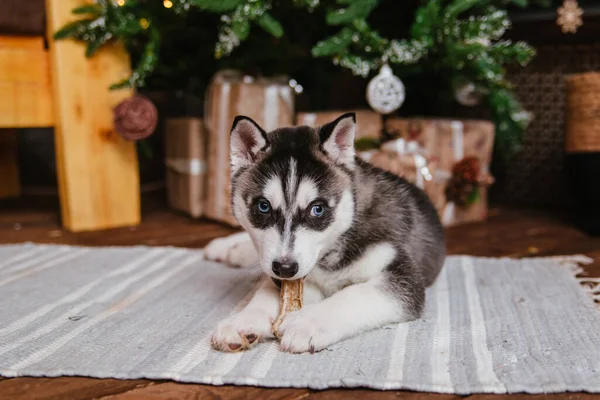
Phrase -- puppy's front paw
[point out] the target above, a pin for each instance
(242, 331)
(236, 250)
(307, 331)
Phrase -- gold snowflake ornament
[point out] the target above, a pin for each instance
(569, 16)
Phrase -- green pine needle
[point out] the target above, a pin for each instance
(335, 44)
(454, 9)
(145, 149)
(365, 144)
(87, 9)
(520, 3)
(357, 10)
(473, 196)
(72, 29)
(270, 24)
(217, 6)
(124, 84)
(95, 45)
(241, 28)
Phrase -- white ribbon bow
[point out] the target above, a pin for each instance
(401, 146)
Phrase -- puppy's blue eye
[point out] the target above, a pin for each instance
(264, 206)
(317, 210)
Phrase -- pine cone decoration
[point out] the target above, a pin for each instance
(467, 169)
(135, 118)
(461, 192)
(463, 187)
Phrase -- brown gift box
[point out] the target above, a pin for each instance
(269, 102)
(185, 147)
(408, 164)
(447, 142)
(368, 123)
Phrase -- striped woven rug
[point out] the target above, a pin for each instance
(491, 325)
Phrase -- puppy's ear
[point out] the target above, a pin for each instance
(337, 139)
(247, 140)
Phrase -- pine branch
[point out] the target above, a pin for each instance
(94, 45)
(333, 45)
(357, 10)
(236, 25)
(93, 9)
(146, 65)
(220, 6)
(270, 24)
(74, 29)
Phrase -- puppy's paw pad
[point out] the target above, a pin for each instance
(251, 337)
(230, 340)
(234, 346)
(241, 331)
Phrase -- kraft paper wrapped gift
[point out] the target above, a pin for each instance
(451, 144)
(185, 148)
(368, 123)
(269, 102)
(404, 159)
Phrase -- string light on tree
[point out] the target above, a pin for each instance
(144, 23)
(168, 3)
(121, 3)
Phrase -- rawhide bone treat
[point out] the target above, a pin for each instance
(290, 299)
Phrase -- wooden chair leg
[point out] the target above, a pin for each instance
(98, 172)
(9, 167)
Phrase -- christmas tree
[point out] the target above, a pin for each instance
(448, 51)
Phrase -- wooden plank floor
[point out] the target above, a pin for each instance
(506, 233)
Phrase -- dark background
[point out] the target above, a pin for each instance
(534, 177)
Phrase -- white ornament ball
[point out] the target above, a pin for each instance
(385, 92)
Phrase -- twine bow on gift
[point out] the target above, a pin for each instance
(388, 159)
(401, 146)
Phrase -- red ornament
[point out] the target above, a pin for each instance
(135, 118)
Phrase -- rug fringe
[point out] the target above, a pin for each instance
(574, 264)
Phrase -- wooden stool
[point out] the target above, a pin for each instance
(98, 173)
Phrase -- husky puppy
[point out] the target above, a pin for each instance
(366, 241)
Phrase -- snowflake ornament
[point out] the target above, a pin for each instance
(385, 92)
(569, 16)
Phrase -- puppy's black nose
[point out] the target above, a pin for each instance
(285, 270)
